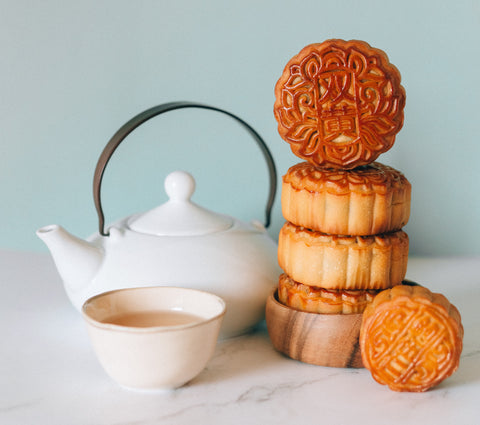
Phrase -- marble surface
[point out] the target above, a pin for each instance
(49, 373)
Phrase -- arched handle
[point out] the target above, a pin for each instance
(139, 119)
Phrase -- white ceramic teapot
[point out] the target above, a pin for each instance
(178, 243)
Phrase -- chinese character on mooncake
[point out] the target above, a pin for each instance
(339, 104)
(411, 339)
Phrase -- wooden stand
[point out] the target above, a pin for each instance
(320, 339)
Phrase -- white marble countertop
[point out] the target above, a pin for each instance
(49, 373)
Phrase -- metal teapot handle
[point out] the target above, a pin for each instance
(139, 119)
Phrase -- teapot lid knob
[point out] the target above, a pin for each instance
(179, 186)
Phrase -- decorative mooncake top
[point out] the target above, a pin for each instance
(339, 104)
(411, 338)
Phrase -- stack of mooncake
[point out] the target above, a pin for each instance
(342, 300)
(339, 105)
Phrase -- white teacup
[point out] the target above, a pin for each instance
(156, 337)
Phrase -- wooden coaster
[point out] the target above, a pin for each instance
(321, 339)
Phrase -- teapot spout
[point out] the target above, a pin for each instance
(77, 260)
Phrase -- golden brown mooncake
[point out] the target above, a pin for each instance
(343, 262)
(319, 300)
(411, 339)
(339, 104)
(368, 200)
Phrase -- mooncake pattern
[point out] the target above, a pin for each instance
(411, 339)
(339, 104)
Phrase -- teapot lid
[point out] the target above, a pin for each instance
(179, 216)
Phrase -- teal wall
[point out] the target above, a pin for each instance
(73, 72)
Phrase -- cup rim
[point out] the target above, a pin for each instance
(150, 329)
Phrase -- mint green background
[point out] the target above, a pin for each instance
(73, 72)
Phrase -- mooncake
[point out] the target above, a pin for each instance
(343, 262)
(339, 104)
(368, 200)
(411, 339)
(324, 301)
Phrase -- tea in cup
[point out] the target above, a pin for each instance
(155, 337)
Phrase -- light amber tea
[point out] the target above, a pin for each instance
(145, 319)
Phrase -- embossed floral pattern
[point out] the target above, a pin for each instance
(339, 104)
